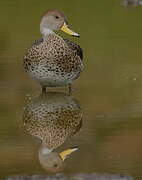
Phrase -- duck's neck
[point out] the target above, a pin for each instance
(45, 32)
(44, 150)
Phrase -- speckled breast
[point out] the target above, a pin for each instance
(53, 118)
(53, 62)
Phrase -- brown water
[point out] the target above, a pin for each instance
(109, 90)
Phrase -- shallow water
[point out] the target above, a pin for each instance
(109, 90)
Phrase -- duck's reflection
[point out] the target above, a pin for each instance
(53, 118)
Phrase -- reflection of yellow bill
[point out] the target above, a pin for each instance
(68, 31)
(67, 152)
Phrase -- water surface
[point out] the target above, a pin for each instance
(109, 90)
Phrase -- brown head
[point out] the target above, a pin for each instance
(54, 20)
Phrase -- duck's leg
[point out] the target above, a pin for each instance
(71, 89)
(44, 89)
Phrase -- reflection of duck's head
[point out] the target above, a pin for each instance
(53, 162)
(53, 117)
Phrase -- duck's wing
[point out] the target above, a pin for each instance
(75, 47)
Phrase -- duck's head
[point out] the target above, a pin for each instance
(53, 162)
(55, 20)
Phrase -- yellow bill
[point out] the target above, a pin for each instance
(67, 152)
(68, 31)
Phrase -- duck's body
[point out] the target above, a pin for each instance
(52, 60)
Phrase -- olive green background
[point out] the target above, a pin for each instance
(109, 89)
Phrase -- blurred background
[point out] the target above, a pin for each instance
(109, 90)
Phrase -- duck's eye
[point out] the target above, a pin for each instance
(57, 17)
(55, 165)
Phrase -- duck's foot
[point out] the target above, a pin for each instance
(44, 89)
(71, 89)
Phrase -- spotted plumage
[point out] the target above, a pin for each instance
(52, 60)
(53, 118)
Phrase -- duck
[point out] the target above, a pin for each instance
(52, 60)
(53, 118)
